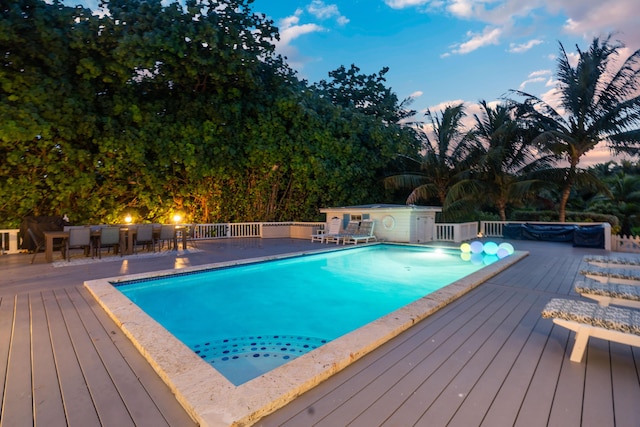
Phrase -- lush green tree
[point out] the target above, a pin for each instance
(368, 93)
(598, 103)
(153, 108)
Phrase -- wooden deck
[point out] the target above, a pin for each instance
(488, 359)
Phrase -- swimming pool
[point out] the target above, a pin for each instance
(249, 320)
(211, 398)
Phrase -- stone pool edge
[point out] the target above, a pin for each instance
(211, 399)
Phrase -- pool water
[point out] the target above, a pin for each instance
(250, 319)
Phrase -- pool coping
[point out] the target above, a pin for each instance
(214, 401)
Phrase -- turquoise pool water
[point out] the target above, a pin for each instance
(249, 319)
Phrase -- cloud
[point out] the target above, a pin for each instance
(462, 8)
(533, 80)
(540, 73)
(323, 11)
(402, 4)
(489, 36)
(416, 94)
(590, 18)
(291, 30)
(520, 48)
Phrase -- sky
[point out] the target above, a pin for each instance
(443, 52)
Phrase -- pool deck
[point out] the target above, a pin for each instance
(486, 359)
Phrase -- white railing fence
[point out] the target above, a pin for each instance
(9, 241)
(456, 232)
(625, 244)
(266, 230)
(492, 228)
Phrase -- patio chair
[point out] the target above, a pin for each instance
(609, 293)
(79, 238)
(191, 234)
(109, 238)
(352, 228)
(36, 241)
(587, 319)
(364, 234)
(167, 234)
(144, 236)
(334, 229)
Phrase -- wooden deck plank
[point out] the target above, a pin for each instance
(48, 409)
(541, 394)
(140, 407)
(419, 388)
(477, 347)
(156, 390)
(479, 399)
(597, 406)
(626, 392)
(79, 406)
(18, 402)
(108, 402)
(6, 323)
(504, 408)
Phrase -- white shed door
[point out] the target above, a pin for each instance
(424, 229)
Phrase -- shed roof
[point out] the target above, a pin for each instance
(384, 206)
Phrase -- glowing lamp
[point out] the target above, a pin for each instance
(507, 247)
(128, 219)
(465, 248)
(490, 248)
(477, 247)
(177, 218)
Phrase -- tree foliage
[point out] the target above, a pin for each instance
(502, 162)
(598, 103)
(155, 108)
(445, 148)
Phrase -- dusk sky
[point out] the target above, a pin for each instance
(441, 52)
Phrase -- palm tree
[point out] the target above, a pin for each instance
(502, 158)
(442, 160)
(597, 104)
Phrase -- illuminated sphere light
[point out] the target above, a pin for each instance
(465, 248)
(490, 248)
(508, 247)
(477, 247)
(466, 256)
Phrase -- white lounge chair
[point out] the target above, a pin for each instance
(352, 228)
(592, 320)
(613, 261)
(630, 276)
(364, 234)
(609, 293)
(334, 230)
